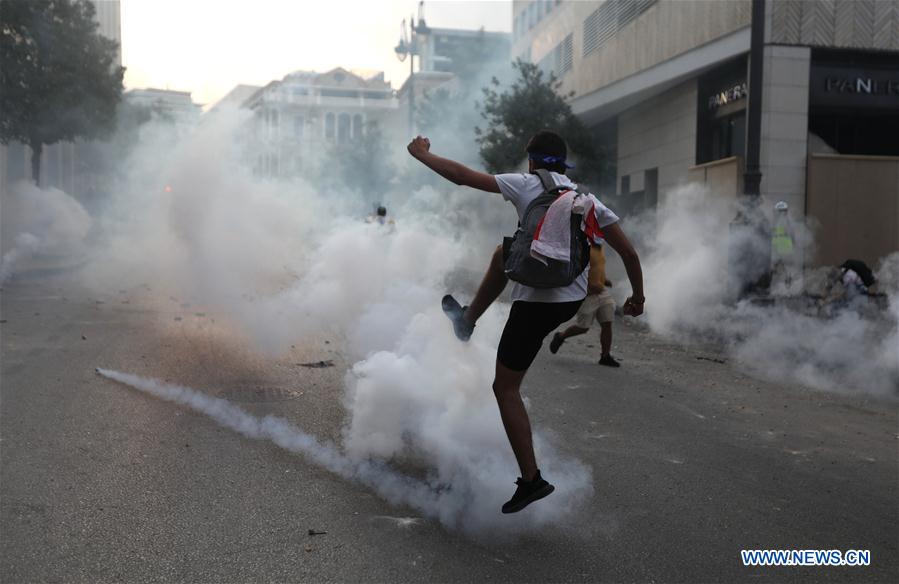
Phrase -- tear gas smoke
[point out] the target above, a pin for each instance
(687, 271)
(287, 261)
(39, 221)
(24, 247)
(457, 499)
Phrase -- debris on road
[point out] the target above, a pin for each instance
(712, 359)
(314, 532)
(317, 364)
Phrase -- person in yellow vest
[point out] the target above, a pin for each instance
(783, 247)
(599, 305)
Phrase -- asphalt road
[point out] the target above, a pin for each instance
(693, 461)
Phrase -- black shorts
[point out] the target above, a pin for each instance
(528, 325)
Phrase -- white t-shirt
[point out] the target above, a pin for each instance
(520, 189)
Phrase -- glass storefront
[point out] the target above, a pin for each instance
(721, 115)
(854, 103)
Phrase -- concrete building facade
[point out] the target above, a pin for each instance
(306, 113)
(664, 85)
(447, 56)
(176, 105)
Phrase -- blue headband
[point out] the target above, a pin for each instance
(549, 159)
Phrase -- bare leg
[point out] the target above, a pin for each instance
(491, 287)
(506, 388)
(605, 337)
(572, 331)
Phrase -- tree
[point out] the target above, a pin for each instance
(58, 77)
(530, 104)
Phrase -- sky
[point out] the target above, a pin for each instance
(209, 46)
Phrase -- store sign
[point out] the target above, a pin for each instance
(854, 88)
(729, 95)
(861, 85)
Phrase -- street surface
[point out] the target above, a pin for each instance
(692, 460)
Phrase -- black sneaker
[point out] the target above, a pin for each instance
(456, 313)
(527, 492)
(609, 361)
(556, 343)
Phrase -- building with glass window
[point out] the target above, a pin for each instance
(175, 105)
(447, 57)
(306, 113)
(663, 85)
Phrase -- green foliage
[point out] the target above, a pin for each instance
(531, 103)
(58, 77)
(363, 164)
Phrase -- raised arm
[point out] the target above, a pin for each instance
(616, 238)
(420, 148)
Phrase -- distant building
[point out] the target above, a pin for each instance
(109, 17)
(461, 52)
(663, 84)
(234, 98)
(447, 57)
(175, 105)
(306, 113)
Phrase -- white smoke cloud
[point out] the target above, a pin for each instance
(25, 246)
(467, 476)
(43, 221)
(284, 261)
(792, 338)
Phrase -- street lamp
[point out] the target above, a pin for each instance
(750, 232)
(409, 47)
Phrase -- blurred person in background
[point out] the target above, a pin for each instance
(599, 305)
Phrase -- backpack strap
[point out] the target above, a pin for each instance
(550, 186)
(546, 179)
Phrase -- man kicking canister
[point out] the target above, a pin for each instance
(535, 312)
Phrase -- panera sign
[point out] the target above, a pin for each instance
(855, 88)
(729, 95)
(861, 85)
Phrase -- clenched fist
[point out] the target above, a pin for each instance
(419, 146)
(632, 307)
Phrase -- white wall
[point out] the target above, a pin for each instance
(659, 133)
(785, 89)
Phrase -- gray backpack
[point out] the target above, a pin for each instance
(521, 267)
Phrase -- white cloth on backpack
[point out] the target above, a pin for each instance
(553, 239)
